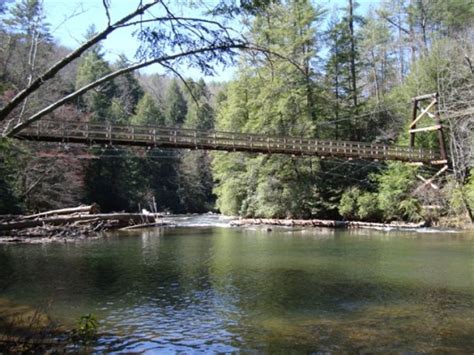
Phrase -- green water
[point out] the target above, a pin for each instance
(224, 289)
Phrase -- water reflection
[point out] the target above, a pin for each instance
(224, 290)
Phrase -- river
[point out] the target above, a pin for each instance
(214, 288)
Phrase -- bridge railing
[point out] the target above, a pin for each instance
(92, 132)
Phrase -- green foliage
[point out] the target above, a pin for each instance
(356, 204)
(469, 190)
(176, 105)
(195, 187)
(229, 173)
(348, 204)
(394, 192)
(392, 200)
(97, 101)
(128, 89)
(117, 113)
(85, 332)
(147, 113)
(200, 114)
(367, 207)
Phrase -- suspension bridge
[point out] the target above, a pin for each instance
(171, 137)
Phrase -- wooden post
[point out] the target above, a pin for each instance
(413, 125)
(109, 132)
(441, 139)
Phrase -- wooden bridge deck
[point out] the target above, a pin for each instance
(166, 137)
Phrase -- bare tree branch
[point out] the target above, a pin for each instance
(52, 71)
(18, 127)
(107, 12)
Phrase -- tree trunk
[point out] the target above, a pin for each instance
(85, 209)
(353, 54)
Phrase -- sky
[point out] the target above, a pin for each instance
(69, 20)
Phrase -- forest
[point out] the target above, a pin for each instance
(306, 69)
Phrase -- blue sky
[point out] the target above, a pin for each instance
(70, 19)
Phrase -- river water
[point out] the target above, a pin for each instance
(229, 289)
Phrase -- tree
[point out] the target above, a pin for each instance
(27, 50)
(271, 96)
(147, 113)
(195, 188)
(176, 105)
(377, 58)
(353, 52)
(394, 197)
(113, 181)
(199, 114)
(337, 77)
(94, 66)
(128, 89)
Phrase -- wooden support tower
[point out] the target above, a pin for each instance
(430, 111)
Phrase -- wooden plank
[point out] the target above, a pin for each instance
(423, 113)
(438, 162)
(431, 207)
(424, 129)
(424, 97)
(426, 182)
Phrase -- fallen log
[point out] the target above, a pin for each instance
(125, 218)
(92, 209)
(146, 225)
(324, 223)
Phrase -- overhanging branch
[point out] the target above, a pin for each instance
(18, 127)
(52, 71)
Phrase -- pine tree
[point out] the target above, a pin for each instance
(176, 105)
(94, 66)
(28, 45)
(200, 114)
(128, 89)
(147, 113)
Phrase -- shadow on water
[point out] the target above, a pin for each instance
(219, 289)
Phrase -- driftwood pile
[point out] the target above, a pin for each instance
(76, 222)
